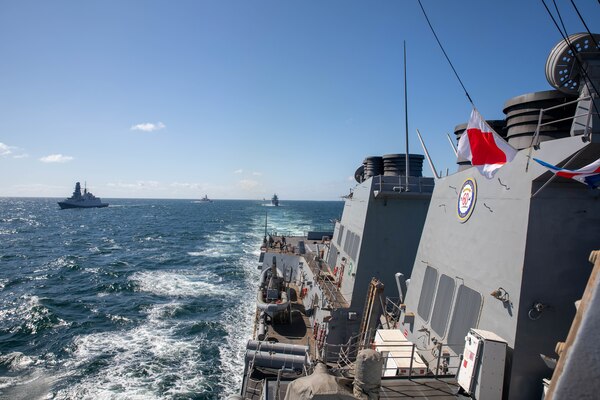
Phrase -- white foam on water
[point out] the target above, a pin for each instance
(25, 313)
(62, 262)
(151, 239)
(224, 237)
(146, 362)
(177, 284)
(238, 324)
(15, 361)
(214, 252)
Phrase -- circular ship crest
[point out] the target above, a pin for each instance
(466, 199)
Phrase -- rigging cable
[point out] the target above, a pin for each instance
(588, 80)
(446, 55)
(564, 29)
(584, 24)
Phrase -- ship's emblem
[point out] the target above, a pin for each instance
(466, 199)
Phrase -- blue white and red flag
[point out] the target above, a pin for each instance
(590, 174)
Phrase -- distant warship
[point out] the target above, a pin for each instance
(78, 200)
(275, 200)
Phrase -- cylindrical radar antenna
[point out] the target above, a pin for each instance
(563, 70)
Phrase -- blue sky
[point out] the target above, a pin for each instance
(241, 99)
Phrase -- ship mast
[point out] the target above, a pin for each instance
(406, 169)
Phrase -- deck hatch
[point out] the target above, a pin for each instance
(464, 317)
(441, 308)
(427, 291)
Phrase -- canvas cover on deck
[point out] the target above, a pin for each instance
(319, 385)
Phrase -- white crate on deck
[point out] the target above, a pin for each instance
(397, 352)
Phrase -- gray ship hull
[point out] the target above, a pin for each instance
(64, 205)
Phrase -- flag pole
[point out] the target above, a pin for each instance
(406, 169)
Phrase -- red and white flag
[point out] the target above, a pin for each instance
(483, 147)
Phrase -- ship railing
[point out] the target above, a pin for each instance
(329, 228)
(325, 280)
(397, 183)
(400, 359)
(392, 312)
(535, 140)
(254, 389)
(404, 360)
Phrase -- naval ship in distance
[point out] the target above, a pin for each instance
(447, 303)
(79, 200)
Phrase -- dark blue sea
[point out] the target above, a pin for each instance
(145, 299)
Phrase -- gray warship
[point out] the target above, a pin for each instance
(79, 200)
(482, 292)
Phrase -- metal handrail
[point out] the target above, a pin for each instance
(535, 138)
(441, 365)
(397, 183)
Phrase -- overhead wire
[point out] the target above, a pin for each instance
(445, 54)
(568, 42)
(584, 24)
(564, 29)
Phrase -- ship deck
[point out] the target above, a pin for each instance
(296, 331)
(300, 332)
(393, 388)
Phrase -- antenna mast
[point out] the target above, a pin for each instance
(406, 169)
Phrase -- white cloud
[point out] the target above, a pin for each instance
(56, 158)
(238, 171)
(5, 149)
(255, 173)
(148, 127)
(15, 152)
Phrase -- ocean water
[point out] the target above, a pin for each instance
(145, 299)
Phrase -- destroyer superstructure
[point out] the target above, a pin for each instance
(511, 259)
(312, 293)
(499, 264)
(79, 200)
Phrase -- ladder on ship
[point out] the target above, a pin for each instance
(371, 311)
